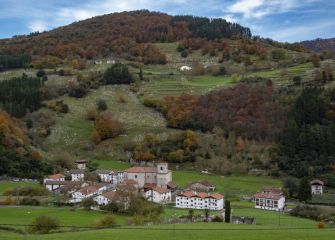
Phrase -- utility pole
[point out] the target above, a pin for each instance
(279, 218)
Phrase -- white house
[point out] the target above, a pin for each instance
(81, 164)
(200, 200)
(185, 68)
(88, 191)
(157, 194)
(77, 174)
(317, 187)
(104, 198)
(110, 176)
(55, 177)
(54, 185)
(269, 199)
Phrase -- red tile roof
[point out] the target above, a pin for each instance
(272, 190)
(56, 176)
(58, 182)
(81, 161)
(90, 189)
(171, 185)
(130, 182)
(216, 196)
(161, 190)
(142, 170)
(267, 195)
(149, 185)
(317, 182)
(201, 195)
(109, 195)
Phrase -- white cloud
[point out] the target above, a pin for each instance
(259, 8)
(230, 18)
(38, 25)
(297, 33)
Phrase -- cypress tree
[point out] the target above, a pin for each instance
(227, 211)
(304, 192)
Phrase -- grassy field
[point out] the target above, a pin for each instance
(72, 131)
(188, 232)
(66, 216)
(230, 185)
(5, 185)
(182, 84)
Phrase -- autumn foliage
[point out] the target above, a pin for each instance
(248, 110)
(105, 127)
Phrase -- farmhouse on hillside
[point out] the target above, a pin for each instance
(55, 177)
(88, 191)
(200, 200)
(317, 187)
(201, 185)
(269, 199)
(104, 198)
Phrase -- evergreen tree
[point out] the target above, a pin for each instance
(227, 211)
(304, 193)
(141, 74)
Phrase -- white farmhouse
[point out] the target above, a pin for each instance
(54, 185)
(185, 68)
(317, 187)
(110, 176)
(55, 177)
(88, 191)
(157, 194)
(269, 199)
(77, 174)
(200, 200)
(104, 198)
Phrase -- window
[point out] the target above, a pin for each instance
(135, 176)
(161, 168)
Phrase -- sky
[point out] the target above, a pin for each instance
(281, 20)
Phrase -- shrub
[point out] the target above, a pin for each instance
(101, 105)
(118, 74)
(87, 203)
(184, 54)
(321, 225)
(122, 99)
(106, 126)
(29, 201)
(278, 54)
(91, 113)
(217, 219)
(297, 80)
(106, 221)
(44, 225)
(40, 73)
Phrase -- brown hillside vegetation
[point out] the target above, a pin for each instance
(118, 33)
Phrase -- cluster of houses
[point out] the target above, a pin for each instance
(155, 184)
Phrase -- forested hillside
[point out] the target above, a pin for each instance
(118, 33)
(320, 44)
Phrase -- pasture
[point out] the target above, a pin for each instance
(6, 185)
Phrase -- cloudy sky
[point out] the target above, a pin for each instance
(282, 20)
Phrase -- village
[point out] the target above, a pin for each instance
(155, 184)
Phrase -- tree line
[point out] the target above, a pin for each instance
(13, 61)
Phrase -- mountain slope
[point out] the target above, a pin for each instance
(319, 44)
(118, 33)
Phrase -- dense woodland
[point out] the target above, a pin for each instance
(21, 94)
(13, 61)
(307, 144)
(17, 157)
(119, 33)
(250, 111)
